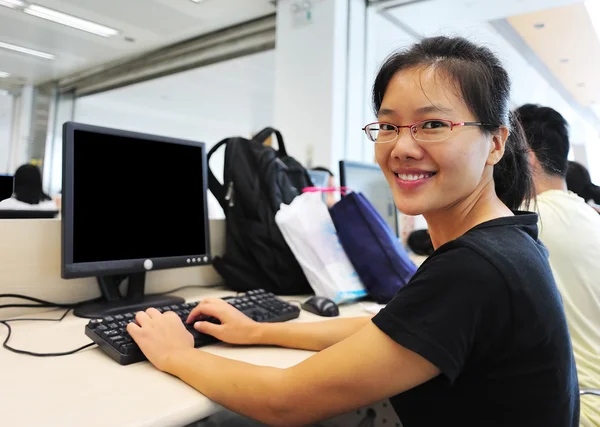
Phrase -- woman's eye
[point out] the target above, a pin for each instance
(385, 126)
(434, 124)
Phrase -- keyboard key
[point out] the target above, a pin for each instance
(108, 319)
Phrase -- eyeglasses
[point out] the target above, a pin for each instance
(433, 130)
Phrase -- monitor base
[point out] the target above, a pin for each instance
(99, 309)
(113, 302)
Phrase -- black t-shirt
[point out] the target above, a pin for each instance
(485, 310)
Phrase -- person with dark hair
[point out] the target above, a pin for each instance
(570, 230)
(478, 337)
(580, 183)
(28, 193)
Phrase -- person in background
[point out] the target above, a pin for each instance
(580, 183)
(478, 337)
(329, 197)
(28, 193)
(570, 230)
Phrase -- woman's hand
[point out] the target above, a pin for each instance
(235, 327)
(160, 336)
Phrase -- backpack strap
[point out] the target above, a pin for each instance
(268, 131)
(214, 185)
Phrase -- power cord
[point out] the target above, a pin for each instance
(31, 353)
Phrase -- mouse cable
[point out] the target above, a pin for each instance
(5, 344)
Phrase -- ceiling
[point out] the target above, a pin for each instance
(565, 39)
(143, 24)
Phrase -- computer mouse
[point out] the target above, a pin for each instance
(321, 306)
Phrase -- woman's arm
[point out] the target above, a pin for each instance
(236, 328)
(366, 367)
(315, 336)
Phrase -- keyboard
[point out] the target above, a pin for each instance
(111, 335)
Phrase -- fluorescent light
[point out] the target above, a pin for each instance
(3, 75)
(26, 50)
(13, 4)
(70, 21)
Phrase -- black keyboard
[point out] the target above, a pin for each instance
(111, 335)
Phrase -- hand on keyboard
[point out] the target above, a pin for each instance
(234, 328)
(160, 335)
(237, 315)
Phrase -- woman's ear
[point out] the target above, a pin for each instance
(498, 145)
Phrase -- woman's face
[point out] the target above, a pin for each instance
(432, 176)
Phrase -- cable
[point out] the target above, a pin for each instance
(41, 303)
(48, 304)
(31, 353)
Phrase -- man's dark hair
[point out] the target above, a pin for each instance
(547, 134)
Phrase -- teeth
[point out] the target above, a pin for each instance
(410, 177)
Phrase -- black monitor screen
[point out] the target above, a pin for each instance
(6, 186)
(136, 198)
(370, 181)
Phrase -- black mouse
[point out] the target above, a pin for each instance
(321, 306)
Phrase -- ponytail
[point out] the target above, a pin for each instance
(512, 174)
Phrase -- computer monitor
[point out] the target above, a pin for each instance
(369, 180)
(131, 203)
(7, 183)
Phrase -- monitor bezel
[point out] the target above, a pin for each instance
(70, 269)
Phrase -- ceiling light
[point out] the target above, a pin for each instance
(198, 1)
(70, 21)
(13, 4)
(3, 75)
(26, 50)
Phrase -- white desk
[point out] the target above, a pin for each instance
(89, 388)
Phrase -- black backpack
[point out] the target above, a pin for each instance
(257, 179)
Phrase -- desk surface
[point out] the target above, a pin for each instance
(88, 388)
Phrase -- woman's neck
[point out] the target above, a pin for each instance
(452, 222)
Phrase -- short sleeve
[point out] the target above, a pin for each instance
(454, 309)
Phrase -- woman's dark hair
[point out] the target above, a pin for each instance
(485, 88)
(28, 185)
(580, 182)
(547, 134)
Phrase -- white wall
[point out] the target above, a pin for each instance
(208, 104)
(6, 106)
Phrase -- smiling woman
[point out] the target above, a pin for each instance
(478, 337)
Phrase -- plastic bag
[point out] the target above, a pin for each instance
(309, 232)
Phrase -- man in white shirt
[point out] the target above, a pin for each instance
(570, 229)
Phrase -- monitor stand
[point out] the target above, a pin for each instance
(112, 302)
